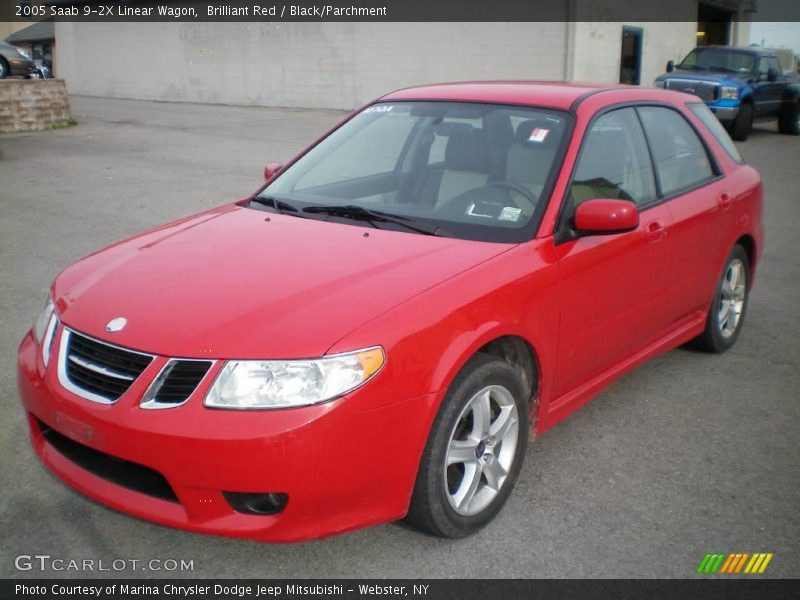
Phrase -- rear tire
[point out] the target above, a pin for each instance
(726, 314)
(743, 123)
(474, 452)
(789, 119)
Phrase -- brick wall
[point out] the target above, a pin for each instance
(33, 104)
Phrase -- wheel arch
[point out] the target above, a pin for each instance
(747, 242)
(513, 347)
(520, 354)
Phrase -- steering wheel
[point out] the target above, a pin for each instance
(515, 187)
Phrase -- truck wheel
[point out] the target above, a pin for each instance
(789, 120)
(743, 123)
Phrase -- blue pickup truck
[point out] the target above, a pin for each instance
(739, 85)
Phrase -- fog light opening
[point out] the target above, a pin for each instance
(257, 504)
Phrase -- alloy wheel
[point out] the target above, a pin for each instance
(481, 450)
(732, 295)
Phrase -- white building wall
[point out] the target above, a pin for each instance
(740, 32)
(598, 45)
(330, 65)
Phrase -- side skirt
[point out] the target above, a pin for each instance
(563, 406)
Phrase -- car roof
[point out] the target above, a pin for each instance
(554, 94)
(558, 95)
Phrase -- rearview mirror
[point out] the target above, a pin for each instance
(670, 66)
(605, 216)
(271, 170)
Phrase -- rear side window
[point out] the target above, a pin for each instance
(717, 130)
(680, 157)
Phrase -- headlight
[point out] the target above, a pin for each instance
(42, 321)
(257, 384)
(660, 83)
(43, 328)
(728, 93)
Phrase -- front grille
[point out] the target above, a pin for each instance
(176, 382)
(97, 370)
(705, 90)
(122, 472)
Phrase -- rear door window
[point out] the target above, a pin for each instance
(680, 157)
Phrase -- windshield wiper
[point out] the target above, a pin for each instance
(279, 206)
(352, 211)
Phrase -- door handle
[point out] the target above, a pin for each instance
(655, 231)
(724, 200)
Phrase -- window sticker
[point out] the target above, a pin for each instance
(538, 135)
(510, 213)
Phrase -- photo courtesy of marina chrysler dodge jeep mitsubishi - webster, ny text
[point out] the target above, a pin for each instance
(378, 331)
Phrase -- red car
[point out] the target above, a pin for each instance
(376, 332)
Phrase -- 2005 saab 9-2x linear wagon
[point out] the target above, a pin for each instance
(376, 332)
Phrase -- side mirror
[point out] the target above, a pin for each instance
(271, 170)
(670, 66)
(605, 216)
(772, 75)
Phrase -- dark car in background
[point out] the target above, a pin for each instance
(13, 61)
(739, 85)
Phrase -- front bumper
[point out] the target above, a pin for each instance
(725, 110)
(341, 468)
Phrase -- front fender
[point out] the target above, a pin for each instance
(430, 338)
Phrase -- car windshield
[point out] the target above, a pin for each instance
(719, 59)
(468, 170)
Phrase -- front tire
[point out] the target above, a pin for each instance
(726, 315)
(4, 68)
(789, 119)
(474, 452)
(743, 123)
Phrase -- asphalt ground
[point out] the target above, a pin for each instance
(692, 453)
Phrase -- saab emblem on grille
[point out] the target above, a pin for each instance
(116, 324)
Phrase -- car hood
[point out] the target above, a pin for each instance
(241, 283)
